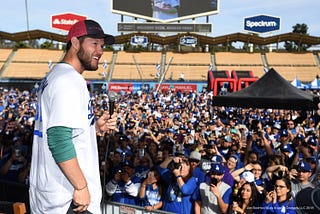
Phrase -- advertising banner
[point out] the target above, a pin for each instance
(65, 20)
(261, 23)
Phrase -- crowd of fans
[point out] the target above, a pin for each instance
(178, 152)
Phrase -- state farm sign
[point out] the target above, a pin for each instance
(65, 20)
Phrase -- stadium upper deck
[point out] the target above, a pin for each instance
(34, 64)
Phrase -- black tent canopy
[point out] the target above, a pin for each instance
(270, 91)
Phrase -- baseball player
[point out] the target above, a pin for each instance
(64, 175)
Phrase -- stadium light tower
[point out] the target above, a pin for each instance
(27, 16)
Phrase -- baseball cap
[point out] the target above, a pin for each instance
(91, 29)
(227, 138)
(194, 155)
(128, 163)
(211, 122)
(248, 176)
(179, 152)
(284, 133)
(286, 148)
(171, 130)
(217, 168)
(123, 138)
(300, 136)
(234, 157)
(311, 159)
(277, 126)
(304, 166)
(182, 127)
(216, 159)
(312, 141)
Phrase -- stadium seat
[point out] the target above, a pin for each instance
(292, 65)
(12, 207)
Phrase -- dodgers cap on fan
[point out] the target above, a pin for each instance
(195, 155)
(91, 29)
(248, 176)
(216, 159)
(286, 148)
(304, 166)
(217, 168)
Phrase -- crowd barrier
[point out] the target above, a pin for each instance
(113, 207)
(11, 193)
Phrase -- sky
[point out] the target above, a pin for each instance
(229, 20)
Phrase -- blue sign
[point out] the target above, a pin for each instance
(261, 24)
(139, 40)
(188, 41)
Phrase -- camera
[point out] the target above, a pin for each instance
(17, 152)
(173, 165)
(281, 174)
(214, 181)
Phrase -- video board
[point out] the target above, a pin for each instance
(165, 10)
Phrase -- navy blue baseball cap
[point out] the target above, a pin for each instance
(128, 163)
(300, 136)
(286, 148)
(216, 159)
(304, 166)
(284, 133)
(217, 168)
(312, 141)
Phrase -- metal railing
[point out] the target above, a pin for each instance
(114, 207)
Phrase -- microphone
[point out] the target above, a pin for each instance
(112, 98)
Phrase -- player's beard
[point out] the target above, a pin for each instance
(85, 60)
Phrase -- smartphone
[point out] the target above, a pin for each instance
(214, 181)
(141, 153)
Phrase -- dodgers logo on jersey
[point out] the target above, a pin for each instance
(90, 112)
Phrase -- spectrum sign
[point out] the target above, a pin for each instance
(65, 20)
(261, 23)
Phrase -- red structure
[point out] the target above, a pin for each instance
(243, 78)
(216, 79)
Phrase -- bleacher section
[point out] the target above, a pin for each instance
(4, 54)
(26, 70)
(126, 69)
(31, 63)
(37, 55)
(239, 61)
(291, 65)
(194, 66)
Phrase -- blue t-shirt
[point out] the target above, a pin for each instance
(122, 196)
(178, 200)
(152, 196)
(286, 207)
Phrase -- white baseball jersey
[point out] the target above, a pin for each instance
(63, 100)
